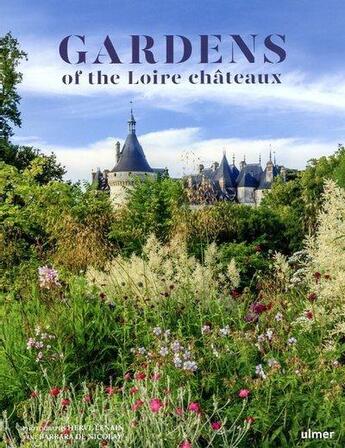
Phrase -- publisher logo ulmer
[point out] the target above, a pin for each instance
(309, 434)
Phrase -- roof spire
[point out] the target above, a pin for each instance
(233, 158)
(259, 158)
(131, 121)
(270, 153)
(274, 158)
(244, 158)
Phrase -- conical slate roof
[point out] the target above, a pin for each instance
(224, 172)
(132, 157)
(250, 175)
(234, 173)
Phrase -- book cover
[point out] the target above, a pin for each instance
(172, 237)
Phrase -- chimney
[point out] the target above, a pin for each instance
(215, 166)
(201, 168)
(118, 151)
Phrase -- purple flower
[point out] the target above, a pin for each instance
(48, 277)
(258, 308)
(251, 317)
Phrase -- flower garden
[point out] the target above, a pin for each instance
(166, 349)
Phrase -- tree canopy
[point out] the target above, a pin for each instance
(10, 57)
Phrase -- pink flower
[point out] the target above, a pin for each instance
(312, 297)
(156, 376)
(110, 390)
(54, 391)
(194, 407)
(140, 376)
(249, 419)
(127, 376)
(185, 444)
(179, 411)
(216, 425)
(156, 405)
(244, 393)
(309, 314)
(34, 394)
(65, 402)
(133, 390)
(87, 399)
(138, 403)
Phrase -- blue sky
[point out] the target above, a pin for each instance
(182, 126)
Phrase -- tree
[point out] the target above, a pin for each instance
(150, 208)
(298, 201)
(22, 156)
(10, 57)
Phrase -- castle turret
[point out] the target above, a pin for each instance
(269, 170)
(130, 163)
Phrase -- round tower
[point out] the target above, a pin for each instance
(131, 163)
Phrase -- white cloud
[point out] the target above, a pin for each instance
(181, 150)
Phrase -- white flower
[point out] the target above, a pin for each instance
(205, 329)
(31, 343)
(261, 338)
(157, 331)
(186, 354)
(39, 356)
(178, 361)
(260, 371)
(278, 317)
(292, 341)
(142, 350)
(164, 351)
(273, 363)
(269, 334)
(190, 365)
(224, 331)
(176, 346)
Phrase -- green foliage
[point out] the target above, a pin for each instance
(22, 156)
(10, 57)
(233, 223)
(249, 258)
(55, 222)
(151, 208)
(299, 200)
